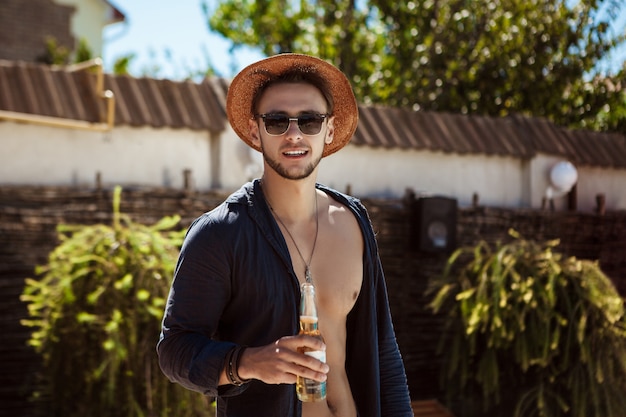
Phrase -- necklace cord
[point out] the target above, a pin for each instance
(307, 269)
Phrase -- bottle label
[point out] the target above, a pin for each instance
(320, 355)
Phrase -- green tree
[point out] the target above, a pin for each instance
(83, 52)
(95, 311)
(493, 57)
(60, 55)
(155, 67)
(351, 37)
(55, 54)
(122, 64)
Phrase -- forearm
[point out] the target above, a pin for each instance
(193, 361)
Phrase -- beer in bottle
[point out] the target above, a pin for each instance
(310, 390)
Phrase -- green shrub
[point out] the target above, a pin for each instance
(531, 332)
(95, 311)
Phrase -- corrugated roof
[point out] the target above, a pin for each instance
(517, 136)
(57, 92)
(445, 132)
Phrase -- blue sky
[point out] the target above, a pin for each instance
(174, 36)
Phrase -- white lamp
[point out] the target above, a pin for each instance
(562, 177)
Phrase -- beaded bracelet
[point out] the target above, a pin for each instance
(229, 359)
(233, 366)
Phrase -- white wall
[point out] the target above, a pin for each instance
(41, 155)
(378, 172)
(239, 163)
(540, 182)
(498, 181)
(593, 181)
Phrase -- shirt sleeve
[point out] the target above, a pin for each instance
(395, 400)
(394, 393)
(189, 350)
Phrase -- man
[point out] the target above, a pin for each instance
(231, 321)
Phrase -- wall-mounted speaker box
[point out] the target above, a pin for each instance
(435, 223)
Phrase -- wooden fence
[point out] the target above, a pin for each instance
(29, 215)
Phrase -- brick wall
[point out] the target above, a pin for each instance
(29, 215)
(25, 25)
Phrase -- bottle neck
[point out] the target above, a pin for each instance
(307, 301)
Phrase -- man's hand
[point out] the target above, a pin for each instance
(280, 362)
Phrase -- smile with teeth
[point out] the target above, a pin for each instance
(294, 153)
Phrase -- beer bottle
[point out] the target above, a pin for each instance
(310, 390)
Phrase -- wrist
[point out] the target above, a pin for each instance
(232, 366)
(243, 368)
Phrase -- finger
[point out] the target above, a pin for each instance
(272, 364)
(289, 350)
(314, 361)
(312, 343)
(301, 342)
(310, 373)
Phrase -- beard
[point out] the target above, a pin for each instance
(295, 173)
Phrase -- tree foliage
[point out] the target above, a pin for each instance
(95, 311)
(493, 57)
(530, 332)
(351, 37)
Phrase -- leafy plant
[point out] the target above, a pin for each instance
(95, 313)
(55, 54)
(531, 332)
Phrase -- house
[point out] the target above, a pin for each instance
(26, 26)
(56, 128)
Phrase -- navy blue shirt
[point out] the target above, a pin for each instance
(234, 284)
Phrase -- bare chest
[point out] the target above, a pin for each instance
(338, 279)
(337, 267)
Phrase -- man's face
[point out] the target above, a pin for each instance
(293, 154)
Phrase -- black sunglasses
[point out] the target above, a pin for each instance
(277, 124)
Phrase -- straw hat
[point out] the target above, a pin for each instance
(244, 86)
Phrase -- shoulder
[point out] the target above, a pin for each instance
(353, 203)
(229, 215)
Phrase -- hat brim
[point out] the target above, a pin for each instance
(245, 84)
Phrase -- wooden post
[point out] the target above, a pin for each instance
(601, 204)
(187, 180)
(98, 181)
(572, 197)
(409, 197)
